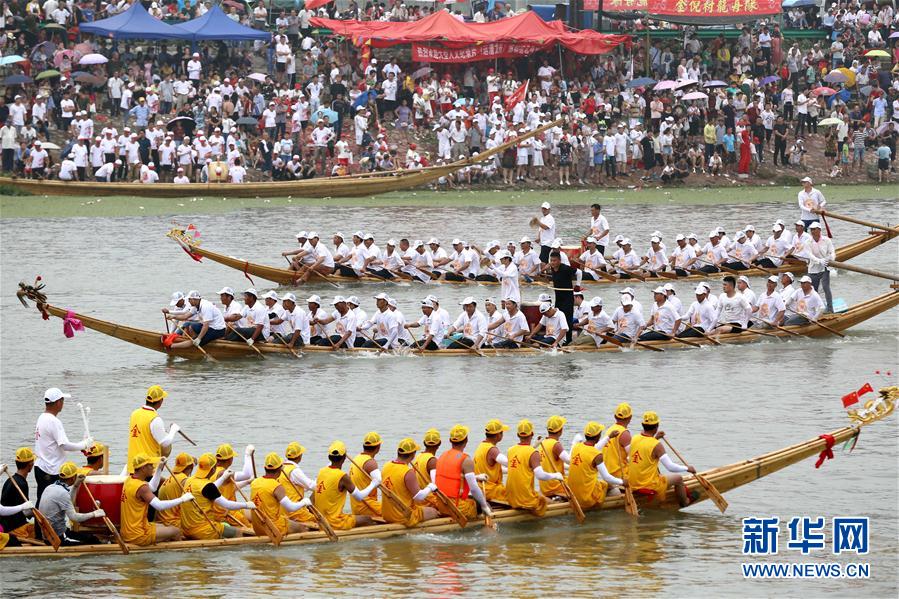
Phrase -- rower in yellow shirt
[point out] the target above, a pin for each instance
(456, 479)
(371, 445)
(524, 466)
(224, 459)
(173, 487)
(95, 457)
(333, 485)
(489, 460)
(614, 454)
(137, 497)
(205, 486)
(426, 463)
(553, 457)
(146, 430)
(400, 478)
(587, 466)
(295, 481)
(646, 452)
(272, 500)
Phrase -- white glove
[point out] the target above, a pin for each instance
(558, 476)
(196, 342)
(162, 460)
(488, 512)
(481, 478)
(249, 450)
(229, 473)
(250, 505)
(432, 487)
(305, 503)
(825, 262)
(249, 342)
(578, 438)
(99, 514)
(27, 506)
(174, 429)
(187, 497)
(88, 442)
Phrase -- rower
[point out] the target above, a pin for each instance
(493, 315)
(352, 264)
(820, 254)
(655, 260)
(664, 321)
(361, 316)
(13, 513)
(805, 304)
(204, 487)
(433, 332)
(646, 451)
(471, 326)
(271, 499)
(278, 317)
(322, 261)
(801, 243)
(681, 255)
(552, 326)
(713, 299)
(341, 253)
(369, 506)
(418, 262)
(385, 323)
(254, 323)
(371, 257)
(724, 240)
(463, 263)
(388, 263)
(296, 262)
(177, 306)
(400, 478)
(442, 313)
(614, 454)
(138, 497)
(756, 240)
(528, 261)
(769, 307)
(333, 485)
(713, 254)
(95, 455)
(426, 463)
(627, 321)
(224, 458)
(618, 252)
(628, 261)
(592, 261)
(173, 487)
(638, 307)
(524, 466)
(733, 309)
(745, 288)
(507, 273)
(553, 457)
(51, 442)
(146, 429)
(701, 315)
(693, 242)
(230, 309)
(589, 479)
(599, 228)
(546, 231)
(455, 477)
(776, 247)
(673, 299)
(56, 505)
(439, 257)
(345, 325)
(295, 481)
(315, 316)
(208, 322)
(581, 311)
(741, 254)
(787, 291)
(296, 321)
(403, 336)
(513, 326)
(489, 262)
(489, 461)
(595, 321)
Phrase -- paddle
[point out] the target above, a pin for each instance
(606, 276)
(323, 523)
(107, 521)
(171, 337)
(287, 345)
(676, 338)
(488, 520)
(720, 267)
(551, 347)
(377, 276)
(46, 528)
(387, 493)
(857, 221)
(664, 274)
(454, 512)
(573, 503)
(778, 327)
(256, 349)
(509, 339)
(817, 323)
(763, 333)
(864, 271)
(704, 335)
(273, 532)
(180, 486)
(326, 278)
(630, 504)
(710, 489)
(632, 273)
(186, 438)
(370, 338)
(614, 341)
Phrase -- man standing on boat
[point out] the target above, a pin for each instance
(546, 231)
(563, 277)
(146, 430)
(51, 442)
(820, 253)
(810, 200)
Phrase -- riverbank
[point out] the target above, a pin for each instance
(66, 207)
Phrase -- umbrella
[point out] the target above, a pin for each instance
(877, 54)
(663, 85)
(187, 123)
(11, 59)
(850, 75)
(59, 56)
(894, 35)
(769, 79)
(681, 83)
(237, 5)
(641, 82)
(829, 122)
(883, 127)
(17, 80)
(47, 47)
(93, 59)
(324, 112)
(47, 145)
(83, 48)
(52, 26)
(247, 120)
(462, 102)
(715, 83)
(836, 76)
(47, 74)
(422, 72)
(88, 78)
(824, 91)
(257, 77)
(696, 96)
(866, 90)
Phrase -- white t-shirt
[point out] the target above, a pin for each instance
(209, 312)
(547, 236)
(555, 325)
(51, 443)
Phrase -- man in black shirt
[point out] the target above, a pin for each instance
(17, 524)
(780, 141)
(562, 276)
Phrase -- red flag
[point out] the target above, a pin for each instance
(866, 388)
(518, 95)
(849, 399)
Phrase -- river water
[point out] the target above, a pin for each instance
(718, 405)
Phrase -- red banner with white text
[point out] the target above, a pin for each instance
(489, 51)
(713, 8)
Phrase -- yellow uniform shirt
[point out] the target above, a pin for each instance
(613, 454)
(421, 463)
(520, 481)
(262, 493)
(493, 486)
(643, 468)
(582, 480)
(395, 480)
(371, 506)
(329, 499)
(551, 463)
(133, 523)
(193, 524)
(140, 439)
(291, 488)
(170, 489)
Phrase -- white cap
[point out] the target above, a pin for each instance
(626, 300)
(312, 235)
(714, 234)
(391, 242)
(418, 243)
(773, 279)
(777, 228)
(301, 235)
(679, 237)
(655, 240)
(252, 291)
(545, 307)
(490, 300)
(338, 299)
(359, 234)
(744, 279)
(503, 254)
(433, 241)
(557, 243)
(749, 228)
(625, 241)
(426, 303)
(591, 239)
(789, 275)
(314, 299)
(456, 241)
(700, 289)
(193, 294)
(544, 297)
(391, 302)
(353, 300)
(668, 287)
(545, 205)
(227, 290)
(338, 234)
(659, 289)
(740, 234)
(596, 302)
(289, 297)
(619, 238)
(382, 296)
(805, 180)
(805, 279)
(272, 295)
(657, 233)
(692, 236)
(525, 239)
(468, 300)
(721, 230)
(814, 225)
(176, 297)
(368, 236)
(799, 223)
(433, 298)
(493, 244)
(53, 394)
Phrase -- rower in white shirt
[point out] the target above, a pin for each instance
(345, 325)
(800, 243)
(744, 288)
(664, 321)
(810, 200)
(432, 329)
(682, 253)
(508, 332)
(756, 240)
(592, 260)
(253, 325)
(629, 261)
(805, 305)
(596, 321)
(741, 253)
(655, 260)
(528, 261)
(439, 258)
(713, 254)
(341, 251)
(787, 290)
(418, 263)
(463, 262)
(296, 321)
(701, 315)
(551, 329)
(673, 299)
(626, 320)
(733, 309)
(277, 317)
(769, 307)
(776, 247)
(471, 324)
(403, 336)
(386, 327)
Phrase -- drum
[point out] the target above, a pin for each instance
(573, 251)
(218, 172)
(531, 311)
(107, 489)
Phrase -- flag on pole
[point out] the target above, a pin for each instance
(852, 398)
(518, 95)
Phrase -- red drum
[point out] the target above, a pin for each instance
(107, 489)
(573, 251)
(531, 311)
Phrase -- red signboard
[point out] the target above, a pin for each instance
(714, 8)
(424, 53)
(621, 5)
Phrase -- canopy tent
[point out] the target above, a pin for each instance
(441, 27)
(134, 24)
(216, 25)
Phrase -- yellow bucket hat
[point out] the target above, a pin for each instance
(68, 470)
(182, 462)
(650, 418)
(94, 450)
(294, 450)
(555, 424)
(139, 461)
(495, 426)
(205, 465)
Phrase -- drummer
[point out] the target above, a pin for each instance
(96, 457)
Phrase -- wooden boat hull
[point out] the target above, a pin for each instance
(234, 349)
(287, 277)
(724, 478)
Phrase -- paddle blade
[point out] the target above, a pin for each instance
(713, 493)
(47, 530)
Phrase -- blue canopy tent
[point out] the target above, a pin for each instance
(216, 25)
(134, 24)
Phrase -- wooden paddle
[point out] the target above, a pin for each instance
(818, 323)
(454, 512)
(273, 532)
(864, 271)
(630, 504)
(107, 521)
(209, 521)
(488, 520)
(326, 278)
(763, 333)
(778, 327)
(632, 273)
(664, 274)
(509, 339)
(46, 528)
(858, 221)
(236, 332)
(287, 345)
(370, 338)
(676, 338)
(721, 267)
(377, 276)
(564, 350)
(710, 489)
(181, 330)
(605, 275)
(323, 523)
(573, 503)
(710, 338)
(387, 493)
(614, 341)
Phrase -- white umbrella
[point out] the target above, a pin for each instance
(93, 59)
(47, 145)
(257, 77)
(684, 83)
(663, 85)
(696, 96)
